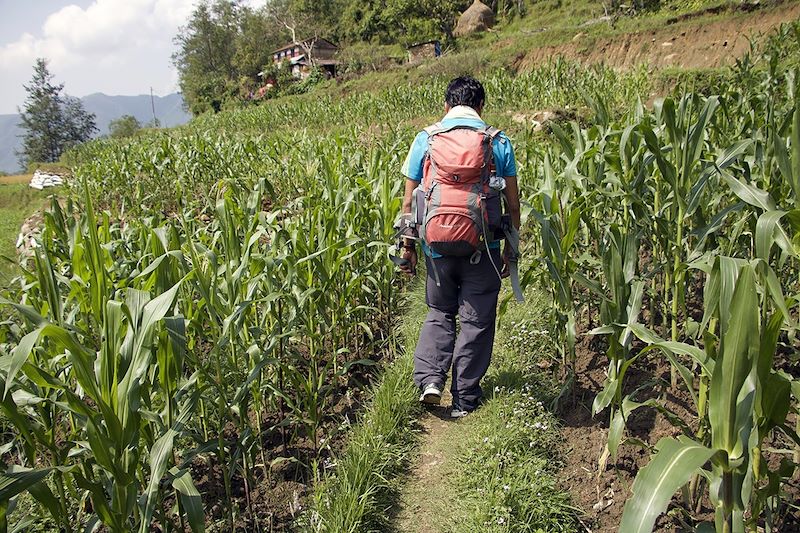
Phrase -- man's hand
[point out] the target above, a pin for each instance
(506, 259)
(410, 255)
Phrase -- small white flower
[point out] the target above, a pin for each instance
(506, 488)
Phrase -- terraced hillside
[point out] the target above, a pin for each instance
(210, 335)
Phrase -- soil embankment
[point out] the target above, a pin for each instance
(690, 43)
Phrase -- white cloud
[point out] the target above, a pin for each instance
(110, 46)
(99, 33)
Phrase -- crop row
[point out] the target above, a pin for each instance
(643, 219)
(146, 347)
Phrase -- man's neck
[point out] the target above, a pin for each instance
(462, 111)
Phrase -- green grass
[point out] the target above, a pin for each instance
(17, 202)
(507, 456)
(364, 484)
(555, 22)
(548, 23)
(552, 22)
(502, 462)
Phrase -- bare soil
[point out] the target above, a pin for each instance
(601, 494)
(282, 476)
(686, 43)
(602, 490)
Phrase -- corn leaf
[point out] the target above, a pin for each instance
(12, 363)
(17, 480)
(673, 464)
(740, 346)
(191, 501)
(160, 455)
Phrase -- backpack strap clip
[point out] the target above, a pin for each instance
(492, 132)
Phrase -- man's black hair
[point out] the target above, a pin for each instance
(465, 90)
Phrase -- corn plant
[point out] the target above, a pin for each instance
(747, 398)
(559, 220)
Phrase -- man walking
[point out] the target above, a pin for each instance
(457, 171)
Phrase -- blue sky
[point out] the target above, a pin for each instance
(109, 46)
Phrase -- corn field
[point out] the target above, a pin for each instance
(202, 290)
(644, 216)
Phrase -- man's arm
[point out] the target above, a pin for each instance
(410, 186)
(412, 170)
(512, 198)
(409, 246)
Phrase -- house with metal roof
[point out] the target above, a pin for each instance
(306, 54)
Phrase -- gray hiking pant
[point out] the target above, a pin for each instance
(470, 292)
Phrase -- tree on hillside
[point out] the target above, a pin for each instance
(52, 123)
(79, 125)
(307, 18)
(398, 21)
(221, 50)
(205, 55)
(124, 126)
(258, 36)
(225, 43)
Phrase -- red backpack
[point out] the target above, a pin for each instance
(455, 208)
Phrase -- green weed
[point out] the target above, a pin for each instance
(507, 460)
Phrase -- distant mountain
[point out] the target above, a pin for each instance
(169, 111)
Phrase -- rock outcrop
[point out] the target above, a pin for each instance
(477, 18)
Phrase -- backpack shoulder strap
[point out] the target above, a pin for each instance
(440, 128)
(492, 132)
(433, 129)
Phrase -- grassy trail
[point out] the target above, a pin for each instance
(494, 470)
(427, 492)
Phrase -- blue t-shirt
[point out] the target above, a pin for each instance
(504, 161)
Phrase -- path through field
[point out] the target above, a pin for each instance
(17, 203)
(428, 490)
(495, 469)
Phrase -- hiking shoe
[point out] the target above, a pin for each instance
(457, 412)
(431, 395)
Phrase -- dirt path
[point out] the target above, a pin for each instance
(426, 493)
